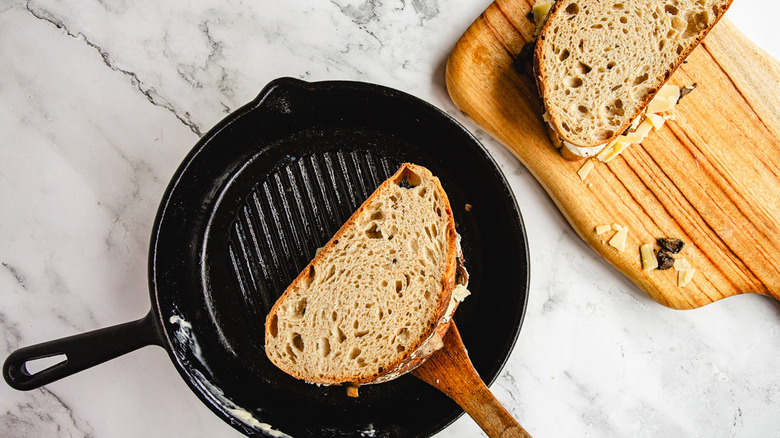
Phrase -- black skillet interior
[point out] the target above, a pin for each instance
(268, 186)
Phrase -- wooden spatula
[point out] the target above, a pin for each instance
(450, 371)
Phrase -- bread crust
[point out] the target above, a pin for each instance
(440, 324)
(540, 75)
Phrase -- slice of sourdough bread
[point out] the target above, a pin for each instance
(598, 63)
(378, 298)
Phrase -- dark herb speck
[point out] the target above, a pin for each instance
(673, 246)
(665, 260)
(685, 90)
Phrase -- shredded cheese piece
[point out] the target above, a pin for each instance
(611, 152)
(618, 241)
(665, 100)
(541, 9)
(585, 169)
(684, 272)
(682, 265)
(649, 262)
(656, 120)
(639, 135)
(685, 277)
(460, 293)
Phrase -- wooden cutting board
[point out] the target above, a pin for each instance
(711, 177)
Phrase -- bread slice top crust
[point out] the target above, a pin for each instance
(599, 63)
(376, 293)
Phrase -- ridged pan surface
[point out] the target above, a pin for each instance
(269, 185)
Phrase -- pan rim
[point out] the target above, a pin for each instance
(192, 156)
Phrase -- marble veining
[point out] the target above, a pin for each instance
(50, 17)
(100, 100)
(43, 414)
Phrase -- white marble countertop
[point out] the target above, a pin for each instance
(100, 101)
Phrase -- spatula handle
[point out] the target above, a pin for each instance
(450, 371)
(488, 412)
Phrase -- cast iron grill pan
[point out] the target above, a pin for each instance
(247, 210)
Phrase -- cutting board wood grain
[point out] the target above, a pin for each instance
(711, 177)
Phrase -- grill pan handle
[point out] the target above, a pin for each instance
(80, 352)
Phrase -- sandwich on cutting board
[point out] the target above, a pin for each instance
(378, 298)
(600, 64)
